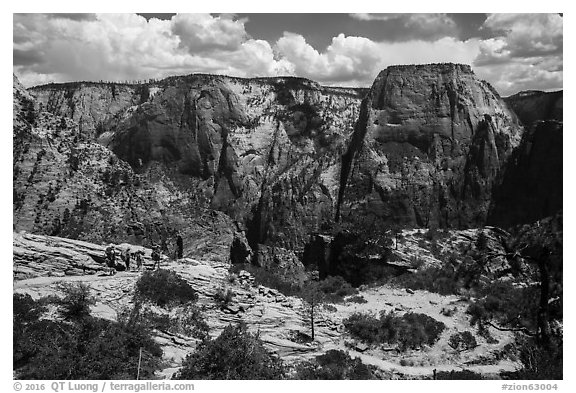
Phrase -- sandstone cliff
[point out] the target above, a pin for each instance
(531, 106)
(427, 148)
(143, 161)
(531, 185)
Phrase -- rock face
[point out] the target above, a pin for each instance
(532, 105)
(427, 149)
(142, 160)
(66, 184)
(531, 186)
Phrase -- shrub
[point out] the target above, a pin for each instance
(506, 304)
(188, 321)
(448, 312)
(431, 234)
(223, 296)
(458, 375)
(539, 362)
(430, 327)
(165, 288)
(82, 348)
(412, 330)
(364, 327)
(432, 279)
(76, 302)
(462, 341)
(235, 354)
(336, 288)
(357, 299)
(333, 365)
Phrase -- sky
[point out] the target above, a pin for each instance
(513, 52)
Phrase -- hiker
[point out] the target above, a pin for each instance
(138, 260)
(156, 256)
(111, 259)
(179, 246)
(126, 258)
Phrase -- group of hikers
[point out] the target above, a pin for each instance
(120, 260)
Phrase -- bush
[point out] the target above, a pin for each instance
(188, 321)
(76, 302)
(334, 364)
(223, 296)
(165, 288)
(458, 375)
(448, 312)
(424, 329)
(364, 327)
(235, 354)
(82, 348)
(357, 299)
(462, 341)
(412, 330)
(442, 280)
(506, 304)
(539, 362)
(431, 234)
(336, 288)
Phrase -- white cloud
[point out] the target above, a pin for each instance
(127, 47)
(345, 59)
(357, 60)
(528, 35)
(200, 32)
(525, 54)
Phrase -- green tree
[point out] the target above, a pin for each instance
(235, 354)
(313, 296)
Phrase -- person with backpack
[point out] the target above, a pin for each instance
(156, 257)
(126, 258)
(138, 260)
(111, 259)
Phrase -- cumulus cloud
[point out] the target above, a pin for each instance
(522, 51)
(357, 60)
(128, 47)
(200, 32)
(525, 52)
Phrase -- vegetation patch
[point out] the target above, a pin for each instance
(334, 365)
(335, 288)
(409, 331)
(462, 341)
(82, 347)
(164, 288)
(235, 354)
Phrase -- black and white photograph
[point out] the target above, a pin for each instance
(286, 196)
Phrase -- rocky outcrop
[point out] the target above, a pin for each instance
(427, 148)
(280, 261)
(266, 152)
(36, 255)
(531, 186)
(534, 105)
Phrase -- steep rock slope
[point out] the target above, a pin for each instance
(264, 151)
(531, 186)
(534, 105)
(66, 184)
(427, 148)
